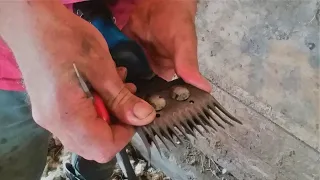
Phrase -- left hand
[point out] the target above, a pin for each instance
(166, 29)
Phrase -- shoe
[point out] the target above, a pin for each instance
(82, 169)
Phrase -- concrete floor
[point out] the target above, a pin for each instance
(263, 60)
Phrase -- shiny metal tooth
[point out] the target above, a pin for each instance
(195, 126)
(160, 136)
(152, 137)
(170, 128)
(188, 128)
(179, 126)
(222, 109)
(168, 136)
(208, 113)
(204, 117)
(215, 110)
(173, 131)
(200, 121)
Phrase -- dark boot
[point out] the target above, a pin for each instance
(82, 169)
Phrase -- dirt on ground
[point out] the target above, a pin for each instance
(58, 156)
(191, 159)
(196, 158)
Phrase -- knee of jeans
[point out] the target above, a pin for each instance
(23, 143)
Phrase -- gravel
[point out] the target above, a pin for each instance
(58, 156)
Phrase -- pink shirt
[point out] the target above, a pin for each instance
(10, 75)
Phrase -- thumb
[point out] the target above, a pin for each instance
(124, 105)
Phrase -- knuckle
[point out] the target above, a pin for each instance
(104, 157)
(122, 97)
(103, 154)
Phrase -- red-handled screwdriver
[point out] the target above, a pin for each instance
(97, 100)
(122, 156)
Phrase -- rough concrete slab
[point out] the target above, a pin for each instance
(259, 149)
(266, 54)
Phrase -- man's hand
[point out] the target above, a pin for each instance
(166, 29)
(47, 39)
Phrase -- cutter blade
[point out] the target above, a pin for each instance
(193, 109)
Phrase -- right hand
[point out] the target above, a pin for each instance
(58, 102)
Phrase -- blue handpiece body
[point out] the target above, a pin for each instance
(124, 51)
(110, 32)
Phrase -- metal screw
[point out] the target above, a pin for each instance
(180, 93)
(157, 102)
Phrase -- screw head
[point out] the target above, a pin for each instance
(180, 93)
(157, 102)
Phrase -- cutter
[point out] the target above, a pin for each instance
(181, 108)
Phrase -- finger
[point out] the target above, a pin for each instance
(192, 76)
(122, 72)
(165, 73)
(119, 100)
(100, 142)
(82, 132)
(121, 136)
(131, 87)
(185, 58)
(97, 140)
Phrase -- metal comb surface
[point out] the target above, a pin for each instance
(182, 116)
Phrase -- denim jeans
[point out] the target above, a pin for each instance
(23, 144)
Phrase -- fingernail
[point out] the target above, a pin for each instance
(142, 110)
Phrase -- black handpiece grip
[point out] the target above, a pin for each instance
(130, 55)
(124, 51)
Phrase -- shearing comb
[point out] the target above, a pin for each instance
(180, 108)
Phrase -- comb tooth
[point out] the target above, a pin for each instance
(221, 108)
(205, 118)
(170, 127)
(179, 126)
(195, 126)
(160, 136)
(147, 130)
(187, 127)
(151, 135)
(190, 119)
(201, 122)
(174, 132)
(168, 136)
(215, 110)
(213, 118)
